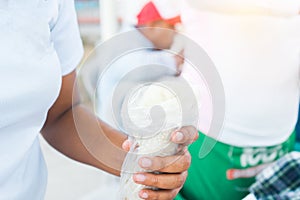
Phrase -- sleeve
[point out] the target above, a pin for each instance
(66, 38)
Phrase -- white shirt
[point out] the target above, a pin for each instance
(40, 43)
(255, 46)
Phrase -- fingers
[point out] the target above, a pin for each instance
(185, 135)
(158, 195)
(161, 181)
(170, 164)
(126, 145)
(174, 169)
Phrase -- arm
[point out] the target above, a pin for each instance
(68, 119)
(74, 131)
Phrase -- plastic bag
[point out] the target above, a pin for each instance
(150, 130)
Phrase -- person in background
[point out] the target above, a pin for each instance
(255, 47)
(154, 29)
(40, 48)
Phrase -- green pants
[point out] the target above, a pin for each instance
(227, 171)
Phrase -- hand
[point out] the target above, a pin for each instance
(179, 59)
(173, 168)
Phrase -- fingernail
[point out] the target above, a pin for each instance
(146, 162)
(144, 195)
(139, 178)
(179, 137)
(126, 145)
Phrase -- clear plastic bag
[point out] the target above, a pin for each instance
(150, 114)
(145, 143)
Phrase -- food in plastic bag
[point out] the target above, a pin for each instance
(150, 114)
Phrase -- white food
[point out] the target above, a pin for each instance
(139, 106)
(150, 113)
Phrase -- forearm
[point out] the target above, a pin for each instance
(79, 135)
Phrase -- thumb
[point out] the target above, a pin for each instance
(127, 144)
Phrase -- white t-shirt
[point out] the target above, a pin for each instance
(255, 46)
(40, 43)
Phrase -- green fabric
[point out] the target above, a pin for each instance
(297, 146)
(207, 176)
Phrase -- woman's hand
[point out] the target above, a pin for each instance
(173, 168)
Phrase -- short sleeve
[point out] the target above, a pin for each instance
(66, 38)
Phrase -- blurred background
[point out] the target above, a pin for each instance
(67, 179)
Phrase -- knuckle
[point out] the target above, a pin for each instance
(180, 179)
(188, 156)
(173, 194)
(164, 163)
(159, 163)
(193, 132)
(155, 164)
(186, 161)
(196, 135)
(190, 133)
(154, 180)
(186, 175)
